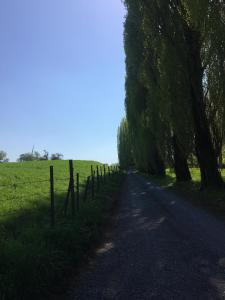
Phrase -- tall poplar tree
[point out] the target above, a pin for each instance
(175, 85)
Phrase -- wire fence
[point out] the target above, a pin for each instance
(71, 190)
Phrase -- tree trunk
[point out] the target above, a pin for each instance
(220, 159)
(151, 169)
(210, 176)
(159, 164)
(156, 166)
(180, 163)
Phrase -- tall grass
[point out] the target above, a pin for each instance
(34, 258)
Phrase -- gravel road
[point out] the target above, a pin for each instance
(161, 247)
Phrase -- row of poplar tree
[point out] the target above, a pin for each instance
(175, 87)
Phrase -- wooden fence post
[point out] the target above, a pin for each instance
(101, 173)
(78, 192)
(92, 183)
(72, 188)
(67, 200)
(52, 196)
(109, 170)
(86, 188)
(104, 171)
(98, 183)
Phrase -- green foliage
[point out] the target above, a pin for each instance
(29, 156)
(34, 156)
(34, 258)
(3, 156)
(57, 156)
(175, 84)
(144, 119)
(124, 145)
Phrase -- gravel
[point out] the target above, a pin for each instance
(161, 247)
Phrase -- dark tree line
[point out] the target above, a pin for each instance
(175, 87)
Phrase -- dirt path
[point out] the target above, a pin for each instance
(161, 248)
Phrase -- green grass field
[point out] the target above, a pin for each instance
(35, 258)
(25, 186)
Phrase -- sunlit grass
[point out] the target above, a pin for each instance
(33, 256)
(170, 178)
(26, 185)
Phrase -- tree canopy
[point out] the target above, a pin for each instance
(175, 87)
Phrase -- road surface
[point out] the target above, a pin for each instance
(161, 247)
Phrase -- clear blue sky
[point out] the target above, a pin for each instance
(61, 77)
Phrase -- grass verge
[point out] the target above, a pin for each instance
(37, 259)
(211, 199)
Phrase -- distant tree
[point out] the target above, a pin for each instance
(26, 157)
(45, 156)
(30, 156)
(57, 156)
(36, 155)
(3, 156)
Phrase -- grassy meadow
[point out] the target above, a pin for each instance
(25, 186)
(35, 258)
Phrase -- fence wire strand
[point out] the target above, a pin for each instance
(61, 188)
(14, 185)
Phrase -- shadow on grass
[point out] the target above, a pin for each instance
(35, 259)
(167, 181)
(148, 251)
(211, 199)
